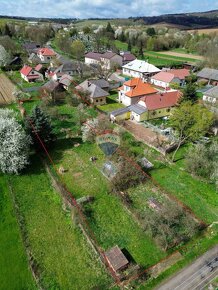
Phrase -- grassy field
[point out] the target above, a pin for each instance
(14, 273)
(169, 57)
(62, 255)
(109, 220)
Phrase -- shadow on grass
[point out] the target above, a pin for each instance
(59, 147)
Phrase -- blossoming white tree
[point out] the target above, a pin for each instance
(4, 56)
(14, 143)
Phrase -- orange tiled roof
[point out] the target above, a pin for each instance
(138, 88)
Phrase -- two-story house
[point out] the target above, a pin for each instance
(30, 74)
(133, 90)
(46, 54)
(107, 60)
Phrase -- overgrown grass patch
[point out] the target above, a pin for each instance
(14, 273)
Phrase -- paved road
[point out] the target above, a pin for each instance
(196, 276)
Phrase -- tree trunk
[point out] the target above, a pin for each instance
(174, 154)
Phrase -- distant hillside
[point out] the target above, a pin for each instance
(195, 20)
(207, 19)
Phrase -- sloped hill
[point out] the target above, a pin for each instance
(207, 19)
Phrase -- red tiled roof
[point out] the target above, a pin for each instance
(26, 70)
(180, 73)
(138, 88)
(38, 67)
(161, 100)
(164, 77)
(46, 51)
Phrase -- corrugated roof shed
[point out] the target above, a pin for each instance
(213, 92)
(208, 73)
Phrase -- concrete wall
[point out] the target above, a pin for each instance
(99, 101)
(124, 116)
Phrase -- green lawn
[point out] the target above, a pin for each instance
(64, 258)
(159, 62)
(112, 103)
(109, 220)
(121, 45)
(68, 118)
(14, 273)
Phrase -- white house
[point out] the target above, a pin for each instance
(30, 74)
(165, 78)
(139, 69)
(211, 96)
(46, 54)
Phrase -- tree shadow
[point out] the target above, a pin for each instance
(58, 148)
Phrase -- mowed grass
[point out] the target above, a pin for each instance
(108, 218)
(14, 271)
(64, 258)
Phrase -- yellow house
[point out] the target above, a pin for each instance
(149, 107)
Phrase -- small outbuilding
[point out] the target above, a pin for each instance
(116, 259)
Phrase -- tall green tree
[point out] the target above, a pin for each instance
(129, 46)
(151, 31)
(39, 126)
(190, 122)
(109, 28)
(150, 44)
(189, 93)
(78, 49)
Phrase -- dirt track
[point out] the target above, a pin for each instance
(198, 57)
(6, 90)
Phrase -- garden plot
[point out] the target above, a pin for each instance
(110, 221)
(166, 221)
(6, 90)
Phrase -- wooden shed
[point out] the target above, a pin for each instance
(116, 259)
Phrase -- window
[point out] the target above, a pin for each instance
(153, 113)
(168, 110)
(96, 101)
(101, 100)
